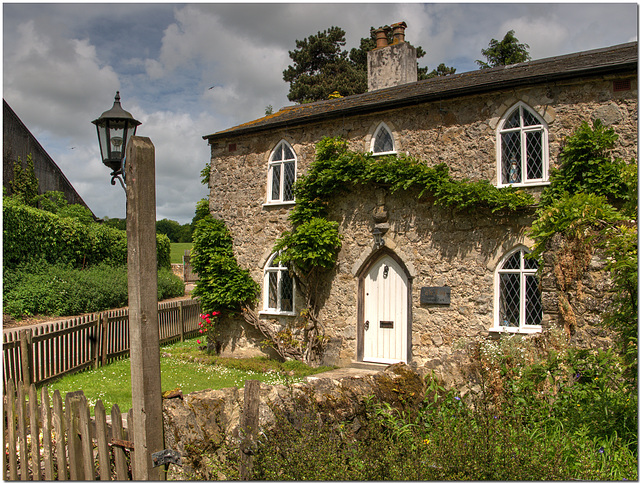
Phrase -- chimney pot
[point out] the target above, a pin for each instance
(381, 37)
(398, 32)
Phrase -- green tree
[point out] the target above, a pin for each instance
(202, 211)
(505, 52)
(25, 183)
(118, 223)
(440, 71)
(321, 67)
(171, 228)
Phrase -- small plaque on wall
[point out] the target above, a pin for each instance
(435, 295)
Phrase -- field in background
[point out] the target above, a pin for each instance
(177, 251)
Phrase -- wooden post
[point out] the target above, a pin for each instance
(181, 320)
(85, 437)
(74, 443)
(249, 423)
(47, 447)
(104, 323)
(22, 432)
(101, 436)
(59, 426)
(118, 451)
(25, 356)
(143, 307)
(35, 432)
(11, 430)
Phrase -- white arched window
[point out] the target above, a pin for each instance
(279, 288)
(518, 303)
(382, 141)
(523, 148)
(282, 174)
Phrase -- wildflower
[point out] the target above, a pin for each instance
(601, 450)
(456, 398)
(426, 441)
(198, 341)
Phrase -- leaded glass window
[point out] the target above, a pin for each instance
(282, 174)
(382, 142)
(523, 149)
(279, 287)
(519, 303)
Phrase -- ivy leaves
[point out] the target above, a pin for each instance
(314, 242)
(222, 284)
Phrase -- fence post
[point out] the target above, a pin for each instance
(25, 356)
(11, 430)
(181, 319)
(95, 343)
(104, 323)
(74, 443)
(249, 422)
(35, 431)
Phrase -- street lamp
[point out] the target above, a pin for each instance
(115, 128)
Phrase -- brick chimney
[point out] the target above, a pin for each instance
(394, 64)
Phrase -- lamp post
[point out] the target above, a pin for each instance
(116, 135)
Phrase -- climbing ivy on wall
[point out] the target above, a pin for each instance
(592, 204)
(311, 247)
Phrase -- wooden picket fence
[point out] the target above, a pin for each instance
(46, 351)
(56, 443)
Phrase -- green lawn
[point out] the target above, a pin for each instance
(177, 251)
(112, 383)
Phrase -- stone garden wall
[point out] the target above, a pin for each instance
(438, 246)
(200, 424)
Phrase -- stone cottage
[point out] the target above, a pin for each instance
(435, 278)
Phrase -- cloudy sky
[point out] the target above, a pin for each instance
(63, 63)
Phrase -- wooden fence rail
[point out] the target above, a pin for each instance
(52, 443)
(41, 353)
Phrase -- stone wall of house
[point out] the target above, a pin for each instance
(578, 279)
(437, 245)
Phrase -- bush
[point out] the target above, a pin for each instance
(33, 234)
(222, 284)
(43, 289)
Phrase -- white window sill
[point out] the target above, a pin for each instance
(525, 185)
(278, 203)
(384, 154)
(529, 329)
(275, 312)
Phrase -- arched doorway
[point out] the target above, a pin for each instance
(384, 310)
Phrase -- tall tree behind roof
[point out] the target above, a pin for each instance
(505, 52)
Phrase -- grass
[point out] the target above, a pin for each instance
(177, 251)
(112, 383)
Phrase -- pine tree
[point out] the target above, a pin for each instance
(505, 52)
(321, 67)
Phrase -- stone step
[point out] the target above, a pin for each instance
(372, 366)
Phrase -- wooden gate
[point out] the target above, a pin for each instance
(56, 443)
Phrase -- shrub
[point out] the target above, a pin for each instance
(222, 284)
(44, 289)
(33, 234)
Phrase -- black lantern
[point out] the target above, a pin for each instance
(377, 233)
(115, 128)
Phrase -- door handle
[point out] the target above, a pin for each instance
(366, 325)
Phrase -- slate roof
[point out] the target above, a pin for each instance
(609, 60)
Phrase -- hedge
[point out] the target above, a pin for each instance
(33, 234)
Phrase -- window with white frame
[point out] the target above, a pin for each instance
(282, 174)
(382, 141)
(518, 300)
(522, 148)
(279, 288)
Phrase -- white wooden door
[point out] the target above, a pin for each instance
(385, 312)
